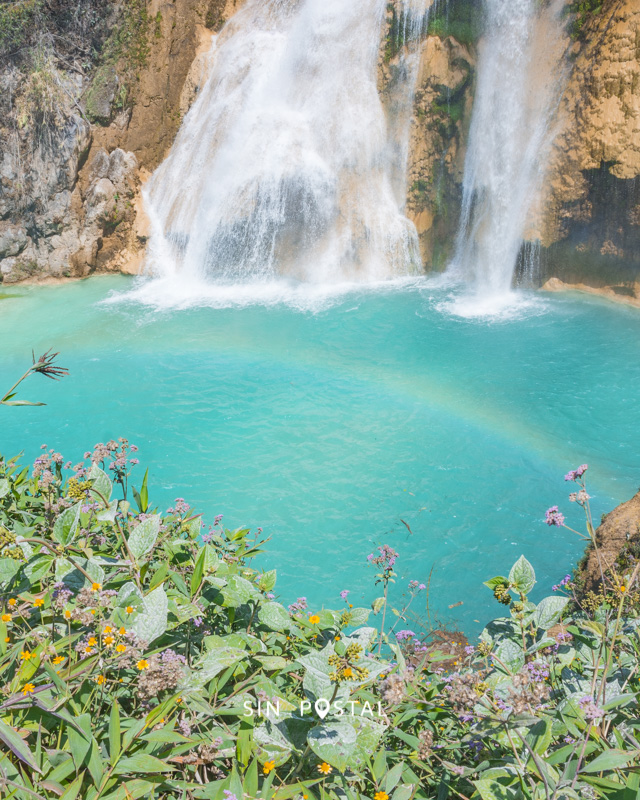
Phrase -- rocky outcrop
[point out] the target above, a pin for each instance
(591, 219)
(438, 126)
(76, 146)
(618, 540)
(442, 113)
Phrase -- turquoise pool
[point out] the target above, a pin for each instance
(329, 419)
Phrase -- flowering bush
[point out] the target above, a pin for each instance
(143, 655)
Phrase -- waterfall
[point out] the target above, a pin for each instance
(519, 75)
(284, 166)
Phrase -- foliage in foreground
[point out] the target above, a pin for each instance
(136, 652)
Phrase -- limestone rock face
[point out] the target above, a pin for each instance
(70, 184)
(442, 112)
(591, 210)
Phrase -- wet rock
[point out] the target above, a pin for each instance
(13, 240)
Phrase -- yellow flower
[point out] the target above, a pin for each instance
(93, 611)
(109, 640)
(58, 659)
(623, 588)
(347, 672)
(314, 619)
(67, 614)
(324, 768)
(108, 629)
(142, 664)
(92, 641)
(6, 617)
(28, 688)
(7, 639)
(12, 602)
(88, 650)
(122, 631)
(129, 609)
(380, 796)
(38, 602)
(178, 700)
(95, 587)
(100, 679)
(268, 766)
(25, 655)
(120, 648)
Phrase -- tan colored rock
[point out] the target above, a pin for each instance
(599, 114)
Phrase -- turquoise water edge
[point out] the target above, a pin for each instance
(329, 425)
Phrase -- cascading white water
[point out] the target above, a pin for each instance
(283, 167)
(519, 74)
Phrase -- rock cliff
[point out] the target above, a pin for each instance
(77, 136)
(590, 228)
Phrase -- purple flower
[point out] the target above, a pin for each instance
(344, 594)
(574, 474)
(554, 517)
(229, 795)
(197, 621)
(590, 709)
(400, 635)
(469, 650)
(270, 595)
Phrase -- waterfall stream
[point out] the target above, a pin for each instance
(284, 166)
(519, 76)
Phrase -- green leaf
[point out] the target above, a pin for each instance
(38, 566)
(238, 591)
(142, 497)
(8, 568)
(18, 746)
(499, 580)
(333, 742)
(114, 732)
(80, 743)
(271, 663)
(539, 736)
(611, 759)
(358, 616)
(141, 763)
(159, 576)
(213, 662)
(144, 536)
(511, 655)
(522, 576)
(275, 616)
(66, 525)
(492, 790)
(196, 578)
(74, 579)
(549, 611)
(4, 487)
(73, 790)
(101, 483)
(393, 778)
(268, 580)
(377, 605)
(152, 622)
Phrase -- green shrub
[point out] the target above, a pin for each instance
(583, 10)
(16, 24)
(143, 655)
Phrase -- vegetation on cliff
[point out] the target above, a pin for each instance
(145, 655)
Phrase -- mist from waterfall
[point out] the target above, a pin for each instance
(285, 165)
(519, 75)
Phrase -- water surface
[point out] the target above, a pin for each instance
(328, 421)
